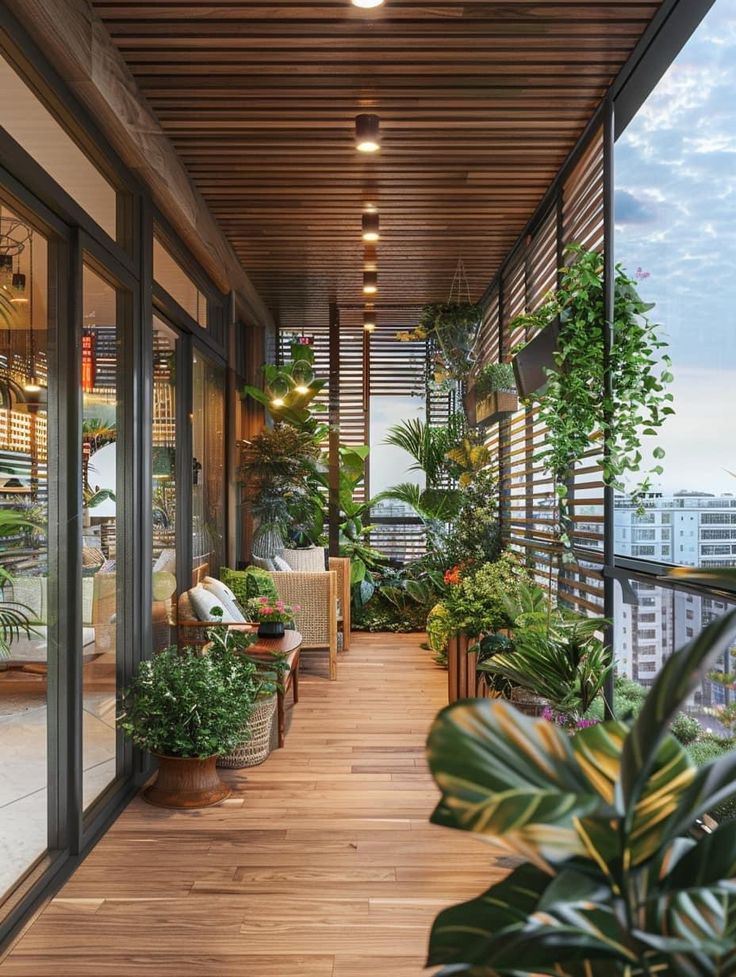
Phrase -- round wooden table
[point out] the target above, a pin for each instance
(289, 647)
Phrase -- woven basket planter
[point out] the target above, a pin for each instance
(256, 748)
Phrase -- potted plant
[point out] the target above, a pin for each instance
(452, 328)
(271, 615)
(187, 707)
(536, 359)
(615, 878)
(491, 395)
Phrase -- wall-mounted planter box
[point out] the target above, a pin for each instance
(531, 362)
(488, 410)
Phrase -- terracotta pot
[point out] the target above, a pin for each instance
(186, 782)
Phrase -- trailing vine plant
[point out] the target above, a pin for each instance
(574, 406)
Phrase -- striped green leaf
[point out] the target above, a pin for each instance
(506, 776)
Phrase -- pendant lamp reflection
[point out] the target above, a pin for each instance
(279, 389)
(302, 374)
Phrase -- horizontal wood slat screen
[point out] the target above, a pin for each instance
(526, 492)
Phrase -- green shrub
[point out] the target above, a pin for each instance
(251, 582)
(685, 728)
(705, 750)
(183, 703)
(494, 377)
(477, 604)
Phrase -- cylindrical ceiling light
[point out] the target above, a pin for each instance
(370, 282)
(367, 4)
(367, 133)
(302, 374)
(371, 224)
(369, 320)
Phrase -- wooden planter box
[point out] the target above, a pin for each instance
(496, 407)
(531, 362)
(461, 668)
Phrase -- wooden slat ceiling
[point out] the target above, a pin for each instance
(480, 102)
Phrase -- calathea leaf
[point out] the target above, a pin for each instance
(698, 928)
(511, 778)
(710, 860)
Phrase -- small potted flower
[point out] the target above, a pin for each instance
(272, 615)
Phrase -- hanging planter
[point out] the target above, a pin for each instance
(533, 361)
(451, 328)
(492, 395)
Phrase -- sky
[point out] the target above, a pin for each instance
(675, 175)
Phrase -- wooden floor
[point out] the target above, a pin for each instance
(322, 864)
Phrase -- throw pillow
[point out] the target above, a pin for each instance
(228, 599)
(281, 565)
(203, 602)
(251, 582)
(263, 563)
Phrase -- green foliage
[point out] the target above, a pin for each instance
(438, 632)
(478, 604)
(613, 883)
(704, 751)
(555, 654)
(494, 377)
(686, 729)
(15, 618)
(251, 582)
(575, 407)
(280, 468)
(184, 703)
(270, 610)
(473, 536)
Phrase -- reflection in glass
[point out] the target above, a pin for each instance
(169, 274)
(163, 490)
(24, 477)
(208, 467)
(100, 418)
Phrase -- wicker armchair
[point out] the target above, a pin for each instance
(316, 594)
(341, 565)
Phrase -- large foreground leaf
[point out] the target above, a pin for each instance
(509, 777)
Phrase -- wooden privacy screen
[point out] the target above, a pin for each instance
(525, 489)
(377, 366)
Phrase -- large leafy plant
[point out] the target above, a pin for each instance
(575, 406)
(185, 703)
(555, 653)
(15, 617)
(479, 603)
(615, 880)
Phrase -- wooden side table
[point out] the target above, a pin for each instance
(289, 646)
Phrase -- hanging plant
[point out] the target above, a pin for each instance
(574, 406)
(451, 329)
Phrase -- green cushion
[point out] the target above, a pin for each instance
(251, 582)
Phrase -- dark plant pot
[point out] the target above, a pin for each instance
(496, 407)
(186, 782)
(531, 362)
(271, 629)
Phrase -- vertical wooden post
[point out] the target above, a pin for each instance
(333, 507)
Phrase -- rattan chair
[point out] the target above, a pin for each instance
(315, 592)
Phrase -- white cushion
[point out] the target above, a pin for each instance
(228, 599)
(281, 565)
(166, 561)
(311, 558)
(203, 601)
(263, 563)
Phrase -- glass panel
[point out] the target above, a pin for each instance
(653, 622)
(169, 274)
(163, 472)
(30, 123)
(208, 467)
(100, 448)
(24, 652)
(675, 214)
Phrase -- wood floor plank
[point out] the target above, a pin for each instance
(326, 865)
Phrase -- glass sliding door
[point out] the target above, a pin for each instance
(164, 495)
(208, 466)
(102, 475)
(27, 648)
